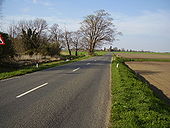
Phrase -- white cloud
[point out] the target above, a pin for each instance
(46, 3)
(149, 23)
(34, 1)
(70, 24)
(148, 31)
(42, 2)
(25, 10)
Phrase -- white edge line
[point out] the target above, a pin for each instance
(31, 90)
(10, 78)
(76, 69)
(111, 59)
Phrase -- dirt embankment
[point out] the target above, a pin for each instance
(156, 73)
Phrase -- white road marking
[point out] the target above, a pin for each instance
(88, 63)
(117, 65)
(95, 60)
(76, 69)
(112, 59)
(31, 90)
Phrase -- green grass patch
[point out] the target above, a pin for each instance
(6, 72)
(134, 105)
(80, 53)
(30, 69)
(84, 53)
(100, 53)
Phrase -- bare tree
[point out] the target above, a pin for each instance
(68, 40)
(76, 39)
(12, 30)
(16, 39)
(31, 34)
(40, 25)
(97, 29)
(56, 34)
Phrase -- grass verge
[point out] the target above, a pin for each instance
(30, 69)
(82, 53)
(10, 72)
(134, 104)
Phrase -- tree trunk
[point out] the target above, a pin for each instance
(69, 51)
(91, 52)
(76, 50)
(76, 53)
(68, 47)
(90, 48)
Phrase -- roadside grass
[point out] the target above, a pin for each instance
(6, 72)
(134, 105)
(80, 53)
(30, 69)
(85, 53)
(100, 53)
(160, 53)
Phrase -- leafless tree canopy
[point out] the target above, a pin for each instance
(97, 29)
(76, 41)
(56, 35)
(67, 36)
(35, 37)
(39, 25)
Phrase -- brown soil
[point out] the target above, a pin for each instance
(157, 73)
(143, 56)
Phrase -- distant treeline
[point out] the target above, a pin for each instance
(115, 49)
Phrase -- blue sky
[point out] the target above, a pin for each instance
(145, 24)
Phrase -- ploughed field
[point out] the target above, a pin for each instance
(156, 73)
(144, 55)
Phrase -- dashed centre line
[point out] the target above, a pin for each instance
(76, 69)
(29, 91)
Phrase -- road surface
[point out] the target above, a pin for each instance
(74, 95)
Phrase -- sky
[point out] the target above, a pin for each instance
(145, 24)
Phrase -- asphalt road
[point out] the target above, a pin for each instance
(74, 95)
